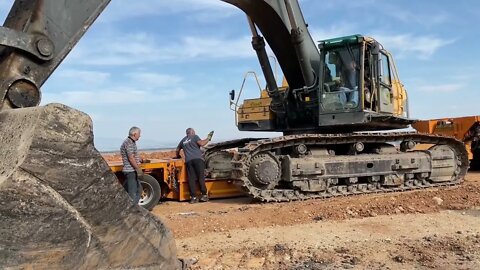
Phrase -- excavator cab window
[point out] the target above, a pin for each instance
(341, 79)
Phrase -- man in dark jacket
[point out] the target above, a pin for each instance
(194, 161)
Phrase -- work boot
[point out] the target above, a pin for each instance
(204, 198)
(193, 200)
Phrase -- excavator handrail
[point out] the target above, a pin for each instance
(234, 105)
(280, 21)
(274, 67)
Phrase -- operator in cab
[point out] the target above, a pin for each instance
(346, 77)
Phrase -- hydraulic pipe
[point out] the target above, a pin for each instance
(298, 37)
(258, 44)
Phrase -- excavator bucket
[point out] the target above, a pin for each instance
(61, 207)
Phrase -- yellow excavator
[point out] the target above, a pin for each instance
(341, 93)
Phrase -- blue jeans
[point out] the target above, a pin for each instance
(132, 185)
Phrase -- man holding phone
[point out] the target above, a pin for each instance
(195, 163)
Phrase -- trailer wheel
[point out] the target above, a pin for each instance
(150, 193)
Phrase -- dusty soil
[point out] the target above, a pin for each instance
(437, 228)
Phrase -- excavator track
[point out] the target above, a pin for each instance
(248, 156)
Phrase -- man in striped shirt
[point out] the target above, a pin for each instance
(131, 164)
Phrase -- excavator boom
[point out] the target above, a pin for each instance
(277, 20)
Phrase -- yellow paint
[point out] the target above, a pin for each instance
(164, 169)
(456, 127)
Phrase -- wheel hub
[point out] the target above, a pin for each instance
(264, 171)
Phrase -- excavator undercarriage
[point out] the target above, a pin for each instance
(298, 167)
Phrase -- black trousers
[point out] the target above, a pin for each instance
(196, 172)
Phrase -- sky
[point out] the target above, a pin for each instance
(165, 66)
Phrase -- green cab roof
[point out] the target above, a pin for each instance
(352, 39)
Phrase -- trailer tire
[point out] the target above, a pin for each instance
(150, 193)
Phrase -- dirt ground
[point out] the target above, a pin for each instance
(425, 229)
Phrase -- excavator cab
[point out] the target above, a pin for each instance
(359, 89)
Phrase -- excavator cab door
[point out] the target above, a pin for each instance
(384, 92)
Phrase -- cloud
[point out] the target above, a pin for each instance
(344, 4)
(145, 48)
(414, 16)
(418, 19)
(88, 77)
(197, 8)
(334, 31)
(422, 46)
(155, 79)
(114, 96)
(442, 88)
(466, 76)
(111, 50)
(92, 88)
(197, 47)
